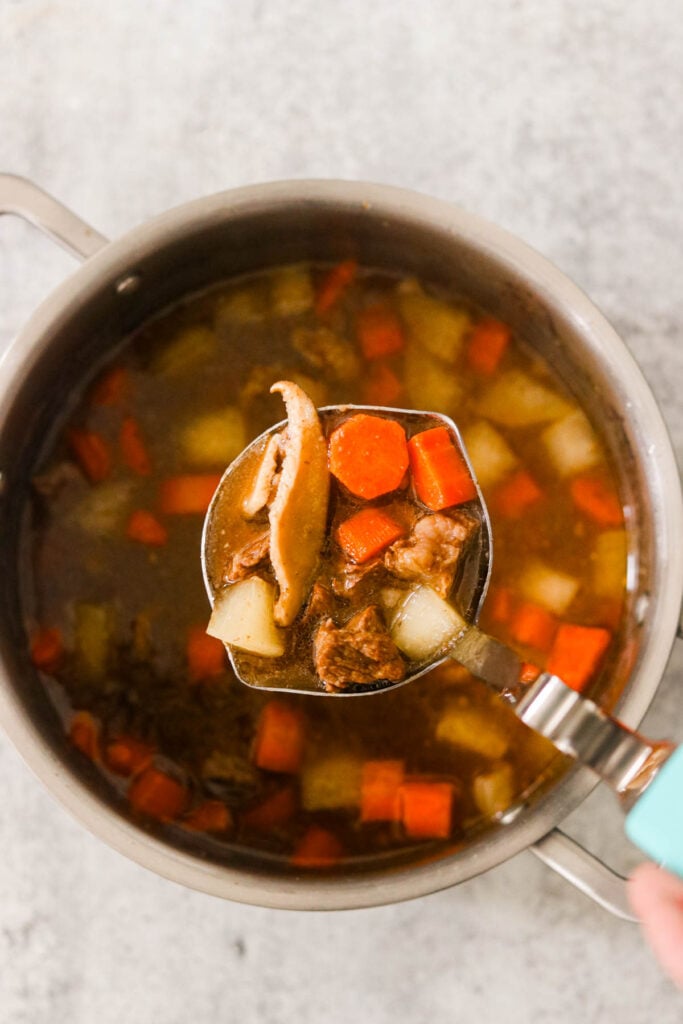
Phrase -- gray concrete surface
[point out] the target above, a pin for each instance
(561, 121)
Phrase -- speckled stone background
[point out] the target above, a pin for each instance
(563, 122)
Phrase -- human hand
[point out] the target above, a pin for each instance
(657, 899)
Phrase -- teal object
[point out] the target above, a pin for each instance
(655, 823)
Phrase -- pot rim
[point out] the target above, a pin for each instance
(117, 260)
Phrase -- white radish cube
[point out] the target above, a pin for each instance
(473, 729)
(515, 399)
(609, 564)
(424, 623)
(494, 791)
(243, 617)
(214, 438)
(552, 589)
(491, 457)
(572, 444)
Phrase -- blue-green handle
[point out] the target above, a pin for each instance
(655, 822)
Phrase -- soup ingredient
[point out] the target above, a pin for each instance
(84, 733)
(423, 623)
(515, 399)
(157, 795)
(317, 848)
(593, 496)
(298, 512)
(532, 626)
(426, 808)
(214, 438)
(367, 533)
(474, 729)
(488, 341)
(91, 452)
(133, 448)
(327, 352)
(609, 564)
(144, 527)
(191, 347)
(291, 291)
(128, 756)
(440, 475)
(360, 652)
(517, 495)
(47, 649)
(432, 551)
(379, 792)
(331, 783)
(334, 285)
(379, 332)
(494, 791)
(369, 455)
(94, 627)
(205, 655)
(576, 653)
(209, 816)
(429, 384)
(244, 616)
(280, 738)
(547, 586)
(571, 444)
(491, 456)
(432, 324)
(188, 494)
(382, 386)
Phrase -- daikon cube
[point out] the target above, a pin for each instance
(552, 589)
(423, 623)
(491, 457)
(515, 399)
(243, 617)
(572, 444)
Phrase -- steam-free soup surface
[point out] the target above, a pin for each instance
(117, 624)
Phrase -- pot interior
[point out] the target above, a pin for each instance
(137, 278)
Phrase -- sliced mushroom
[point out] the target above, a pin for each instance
(262, 487)
(298, 512)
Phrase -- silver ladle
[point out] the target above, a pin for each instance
(646, 775)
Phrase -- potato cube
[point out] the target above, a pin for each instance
(429, 384)
(191, 347)
(515, 399)
(433, 325)
(214, 438)
(609, 564)
(491, 457)
(331, 783)
(552, 589)
(291, 291)
(572, 444)
(423, 623)
(494, 791)
(243, 617)
(473, 729)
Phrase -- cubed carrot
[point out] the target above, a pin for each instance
(514, 498)
(381, 386)
(369, 455)
(47, 649)
(426, 808)
(499, 604)
(577, 652)
(379, 331)
(144, 527)
(209, 816)
(594, 496)
(84, 733)
(440, 474)
(157, 795)
(133, 448)
(188, 494)
(126, 755)
(280, 738)
(533, 626)
(488, 341)
(273, 812)
(317, 848)
(91, 452)
(380, 784)
(368, 532)
(205, 655)
(333, 285)
(111, 387)
(529, 672)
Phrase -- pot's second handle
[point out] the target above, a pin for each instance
(23, 198)
(591, 876)
(655, 823)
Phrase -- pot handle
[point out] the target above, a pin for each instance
(589, 874)
(21, 197)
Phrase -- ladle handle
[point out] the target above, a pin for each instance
(21, 197)
(646, 775)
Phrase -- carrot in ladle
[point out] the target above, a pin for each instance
(367, 533)
(439, 472)
(369, 455)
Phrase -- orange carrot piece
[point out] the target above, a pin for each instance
(380, 784)
(133, 448)
(440, 474)
(533, 626)
(334, 284)
(379, 331)
(158, 795)
(487, 345)
(111, 388)
(205, 655)
(593, 496)
(209, 816)
(426, 809)
(317, 848)
(188, 494)
(145, 528)
(273, 812)
(369, 455)
(499, 604)
(577, 652)
(47, 649)
(382, 386)
(516, 495)
(367, 533)
(84, 733)
(280, 738)
(127, 755)
(91, 452)
(529, 672)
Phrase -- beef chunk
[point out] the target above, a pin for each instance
(244, 561)
(321, 604)
(359, 652)
(349, 577)
(432, 550)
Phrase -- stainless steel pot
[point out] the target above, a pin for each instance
(122, 283)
